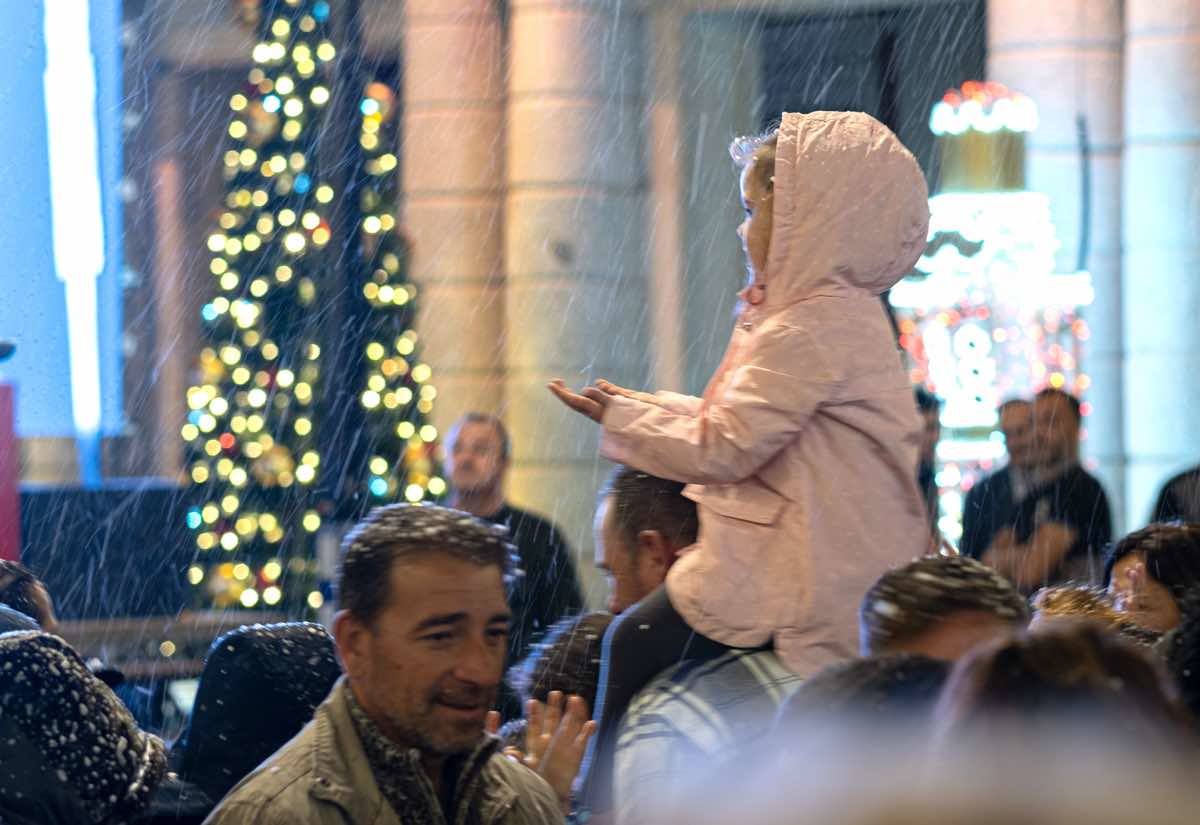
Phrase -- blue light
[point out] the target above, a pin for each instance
(303, 183)
(378, 486)
(194, 519)
(369, 106)
(194, 417)
(209, 312)
(321, 11)
(271, 103)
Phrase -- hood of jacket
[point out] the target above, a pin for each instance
(851, 209)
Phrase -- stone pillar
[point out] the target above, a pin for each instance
(574, 250)
(1162, 245)
(453, 172)
(1067, 56)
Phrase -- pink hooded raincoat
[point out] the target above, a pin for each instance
(802, 454)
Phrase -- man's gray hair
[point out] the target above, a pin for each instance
(403, 531)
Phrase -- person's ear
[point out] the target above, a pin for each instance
(654, 552)
(352, 638)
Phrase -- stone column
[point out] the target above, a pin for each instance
(574, 246)
(1162, 245)
(453, 172)
(1067, 56)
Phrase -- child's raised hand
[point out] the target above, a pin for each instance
(612, 389)
(590, 401)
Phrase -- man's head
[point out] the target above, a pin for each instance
(938, 606)
(1057, 417)
(422, 629)
(1016, 422)
(642, 521)
(25, 593)
(477, 453)
(929, 406)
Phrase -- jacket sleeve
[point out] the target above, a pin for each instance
(770, 398)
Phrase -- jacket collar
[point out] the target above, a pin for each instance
(341, 772)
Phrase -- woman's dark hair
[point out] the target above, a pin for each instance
(1172, 553)
(17, 586)
(567, 659)
(1062, 673)
(1181, 651)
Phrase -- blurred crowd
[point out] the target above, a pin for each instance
(989, 687)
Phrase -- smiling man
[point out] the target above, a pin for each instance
(422, 634)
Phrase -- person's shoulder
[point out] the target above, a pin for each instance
(1187, 477)
(529, 522)
(535, 801)
(274, 792)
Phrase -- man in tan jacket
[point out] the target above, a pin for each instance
(422, 635)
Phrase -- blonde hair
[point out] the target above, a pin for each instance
(759, 151)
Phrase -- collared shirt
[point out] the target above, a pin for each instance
(401, 776)
(696, 711)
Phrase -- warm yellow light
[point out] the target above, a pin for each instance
(311, 521)
(283, 273)
(247, 157)
(324, 193)
(311, 458)
(294, 107)
(306, 68)
(258, 287)
(371, 225)
(190, 432)
(291, 130)
(387, 222)
(272, 595)
(284, 85)
(305, 474)
(199, 474)
(207, 423)
(254, 423)
(326, 51)
(241, 571)
(233, 247)
(238, 102)
(370, 399)
(386, 293)
(230, 504)
(249, 597)
(311, 220)
(379, 466)
(376, 383)
(252, 242)
(241, 375)
(195, 574)
(414, 493)
(320, 236)
(302, 426)
(216, 242)
(405, 346)
(224, 466)
(437, 486)
(428, 392)
(315, 599)
(268, 522)
(314, 352)
(167, 648)
(238, 477)
(369, 142)
(229, 542)
(294, 242)
(257, 397)
(421, 373)
(371, 291)
(210, 513)
(429, 433)
(237, 130)
(229, 281)
(228, 220)
(253, 449)
(218, 266)
(319, 96)
(261, 53)
(272, 570)
(206, 541)
(303, 393)
(405, 429)
(231, 355)
(425, 406)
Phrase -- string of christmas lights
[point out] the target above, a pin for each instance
(397, 393)
(250, 430)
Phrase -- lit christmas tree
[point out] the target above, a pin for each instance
(397, 395)
(252, 423)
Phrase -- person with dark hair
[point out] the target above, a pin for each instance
(642, 522)
(1057, 532)
(1149, 572)
(889, 688)
(1179, 499)
(1181, 651)
(938, 606)
(422, 633)
(478, 452)
(929, 407)
(21, 590)
(989, 503)
(70, 752)
(259, 687)
(1060, 674)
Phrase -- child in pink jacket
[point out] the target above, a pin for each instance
(802, 453)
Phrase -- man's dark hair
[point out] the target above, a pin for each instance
(1181, 648)
(1074, 403)
(404, 531)
(17, 586)
(641, 501)
(888, 686)
(484, 418)
(566, 659)
(927, 402)
(1172, 554)
(906, 601)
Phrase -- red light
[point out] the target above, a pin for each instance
(227, 441)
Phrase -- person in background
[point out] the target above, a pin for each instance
(1085, 602)
(1149, 572)
(1181, 651)
(478, 451)
(990, 504)
(422, 634)
(929, 406)
(940, 607)
(1060, 527)
(24, 592)
(641, 525)
(1179, 499)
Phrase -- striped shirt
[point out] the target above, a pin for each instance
(698, 712)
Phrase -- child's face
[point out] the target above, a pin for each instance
(755, 231)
